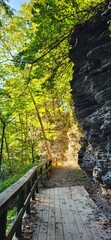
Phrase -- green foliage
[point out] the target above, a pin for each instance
(6, 7)
(79, 175)
(13, 178)
(11, 217)
(35, 75)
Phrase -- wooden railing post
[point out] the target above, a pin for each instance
(33, 181)
(46, 166)
(37, 186)
(41, 170)
(20, 205)
(3, 221)
(28, 191)
(50, 163)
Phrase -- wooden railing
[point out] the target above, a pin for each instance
(21, 191)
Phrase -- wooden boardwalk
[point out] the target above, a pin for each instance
(68, 214)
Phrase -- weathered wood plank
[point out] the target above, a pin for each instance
(58, 216)
(71, 217)
(76, 217)
(59, 231)
(38, 223)
(90, 215)
(51, 221)
(45, 215)
(65, 220)
(68, 214)
(43, 231)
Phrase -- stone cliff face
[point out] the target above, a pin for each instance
(91, 90)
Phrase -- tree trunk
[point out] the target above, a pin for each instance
(26, 138)
(8, 155)
(32, 148)
(22, 139)
(7, 148)
(47, 145)
(2, 142)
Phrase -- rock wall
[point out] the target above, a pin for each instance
(91, 90)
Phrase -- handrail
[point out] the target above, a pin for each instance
(24, 189)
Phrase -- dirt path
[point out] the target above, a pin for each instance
(62, 176)
(67, 175)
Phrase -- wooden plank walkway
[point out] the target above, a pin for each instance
(68, 214)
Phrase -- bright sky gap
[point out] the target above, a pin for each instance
(16, 4)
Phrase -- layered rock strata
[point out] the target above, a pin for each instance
(91, 90)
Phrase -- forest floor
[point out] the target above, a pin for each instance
(69, 174)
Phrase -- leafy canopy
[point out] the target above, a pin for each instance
(36, 69)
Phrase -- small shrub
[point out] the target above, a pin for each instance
(80, 175)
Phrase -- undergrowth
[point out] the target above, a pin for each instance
(79, 175)
(11, 217)
(4, 184)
